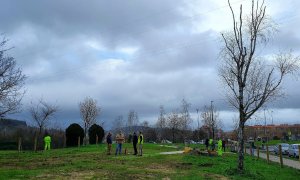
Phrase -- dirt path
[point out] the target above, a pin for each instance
(172, 152)
(286, 162)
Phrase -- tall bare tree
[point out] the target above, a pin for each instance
(174, 123)
(250, 80)
(41, 113)
(133, 120)
(210, 119)
(89, 112)
(119, 123)
(161, 122)
(11, 82)
(185, 115)
(186, 119)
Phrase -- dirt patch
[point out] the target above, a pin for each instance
(215, 176)
(74, 175)
(183, 165)
(160, 168)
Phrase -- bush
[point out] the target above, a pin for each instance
(72, 134)
(96, 130)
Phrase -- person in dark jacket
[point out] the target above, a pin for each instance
(206, 143)
(224, 145)
(109, 142)
(134, 142)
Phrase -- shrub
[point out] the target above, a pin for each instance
(72, 134)
(96, 130)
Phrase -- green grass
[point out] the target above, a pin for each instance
(91, 162)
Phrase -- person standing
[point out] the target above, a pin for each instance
(211, 144)
(206, 143)
(141, 141)
(47, 141)
(120, 140)
(220, 152)
(223, 145)
(109, 143)
(134, 142)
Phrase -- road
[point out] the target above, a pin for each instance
(287, 162)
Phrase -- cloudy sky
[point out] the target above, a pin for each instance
(136, 54)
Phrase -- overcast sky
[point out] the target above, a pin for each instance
(136, 54)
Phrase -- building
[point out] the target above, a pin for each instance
(272, 131)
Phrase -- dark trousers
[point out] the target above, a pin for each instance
(135, 149)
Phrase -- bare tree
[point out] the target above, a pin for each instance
(133, 120)
(119, 122)
(210, 119)
(185, 115)
(251, 82)
(174, 123)
(41, 114)
(89, 112)
(161, 122)
(11, 82)
(145, 124)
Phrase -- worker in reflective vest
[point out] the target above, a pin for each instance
(47, 140)
(140, 142)
(220, 151)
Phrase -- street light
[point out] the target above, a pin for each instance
(198, 123)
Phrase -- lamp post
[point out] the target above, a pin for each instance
(212, 119)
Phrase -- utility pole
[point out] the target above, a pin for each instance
(212, 119)
(198, 124)
(265, 124)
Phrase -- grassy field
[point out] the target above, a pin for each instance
(91, 162)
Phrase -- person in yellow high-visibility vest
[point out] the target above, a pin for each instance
(47, 140)
(220, 151)
(140, 142)
(211, 144)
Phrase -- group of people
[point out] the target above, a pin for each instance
(120, 139)
(221, 145)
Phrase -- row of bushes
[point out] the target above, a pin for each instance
(9, 141)
(75, 130)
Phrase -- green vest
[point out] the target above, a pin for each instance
(47, 139)
(210, 141)
(220, 144)
(139, 140)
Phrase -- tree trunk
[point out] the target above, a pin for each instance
(173, 135)
(241, 144)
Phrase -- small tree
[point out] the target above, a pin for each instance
(11, 82)
(95, 130)
(41, 114)
(210, 119)
(72, 133)
(251, 82)
(89, 112)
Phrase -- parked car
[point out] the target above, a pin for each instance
(284, 148)
(294, 150)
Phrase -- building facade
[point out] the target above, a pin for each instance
(272, 131)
